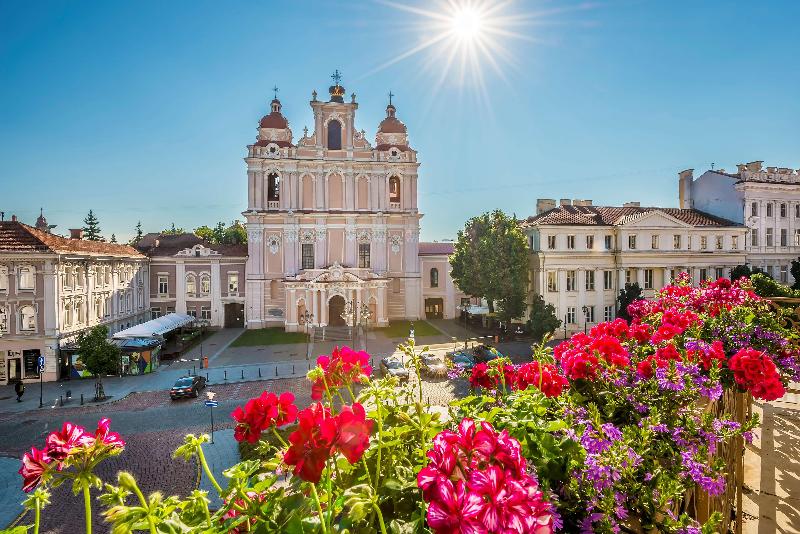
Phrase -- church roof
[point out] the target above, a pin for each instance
(18, 237)
(615, 215)
(164, 245)
(445, 248)
(274, 120)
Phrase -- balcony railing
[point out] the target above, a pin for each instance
(273, 204)
(394, 205)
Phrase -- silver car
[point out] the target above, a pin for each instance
(433, 366)
(392, 366)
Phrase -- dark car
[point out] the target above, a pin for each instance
(392, 366)
(432, 366)
(485, 353)
(462, 359)
(187, 386)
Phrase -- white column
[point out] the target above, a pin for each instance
(180, 287)
(217, 309)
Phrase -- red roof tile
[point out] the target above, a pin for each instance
(18, 237)
(436, 249)
(614, 215)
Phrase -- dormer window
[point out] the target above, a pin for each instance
(394, 189)
(334, 135)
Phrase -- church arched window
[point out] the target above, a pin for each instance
(334, 135)
(434, 277)
(273, 187)
(394, 189)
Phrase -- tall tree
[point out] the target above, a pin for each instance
(235, 234)
(543, 319)
(113, 238)
(795, 270)
(91, 229)
(139, 234)
(219, 233)
(631, 292)
(491, 261)
(173, 231)
(99, 356)
(205, 233)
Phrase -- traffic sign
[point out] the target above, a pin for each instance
(211, 404)
(41, 363)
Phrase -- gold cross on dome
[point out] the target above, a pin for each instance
(337, 77)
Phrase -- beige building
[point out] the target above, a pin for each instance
(582, 255)
(441, 298)
(52, 288)
(332, 219)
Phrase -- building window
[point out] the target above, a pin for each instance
(205, 284)
(3, 319)
(363, 255)
(552, 281)
(754, 237)
(571, 277)
(589, 242)
(273, 187)
(233, 284)
(609, 242)
(394, 190)
(27, 319)
(769, 209)
(784, 237)
(3, 278)
(719, 272)
(783, 210)
(718, 242)
(648, 278)
(68, 314)
(797, 237)
(703, 242)
(192, 313)
(434, 277)
(734, 242)
(654, 242)
(608, 279)
(676, 241)
(784, 274)
(571, 242)
(608, 313)
(769, 237)
(26, 278)
(589, 280)
(797, 211)
(155, 313)
(672, 274)
(551, 242)
(754, 209)
(630, 276)
(770, 271)
(205, 313)
(307, 254)
(632, 242)
(571, 315)
(688, 242)
(589, 314)
(334, 135)
(191, 285)
(163, 285)
(703, 274)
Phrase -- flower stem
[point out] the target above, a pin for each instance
(319, 508)
(209, 474)
(380, 443)
(87, 507)
(146, 506)
(37, 516)
(277, 435)
(380, 517)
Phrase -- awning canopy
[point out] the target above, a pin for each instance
(156, 327)
(137, 344)
(478, 310)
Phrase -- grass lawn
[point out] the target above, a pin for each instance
(268, 336)
(401, 328)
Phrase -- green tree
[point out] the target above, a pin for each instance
(113, 238)
(219, 233)
(795, 270)
(235, 234)
(99, 356)
(91, 230)
(205, 233)
(173, 231)
(491, 261)
(139, 234)
(543, 319)
(765, 286)
(745, 271)
(631, 293)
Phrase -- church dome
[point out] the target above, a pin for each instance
(275, 119)
(391, 124)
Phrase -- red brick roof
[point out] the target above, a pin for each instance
(614, 215)
(18, 237)
(436, 249)
(274, 120)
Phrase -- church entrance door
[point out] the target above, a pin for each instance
(335, 309)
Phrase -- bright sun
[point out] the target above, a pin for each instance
(466, 23)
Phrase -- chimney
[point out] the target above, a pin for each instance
(631, 205)
(565, 202)
(13, 218)
(754, 166)
(685, 179)
(544, 204)
(76, 233)
(584, 202)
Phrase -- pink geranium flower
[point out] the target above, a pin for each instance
(61, 444)
(34, 464)
(104, 435)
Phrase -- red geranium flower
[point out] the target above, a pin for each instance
(343, 367)
(480, 377)
(60, 444)
(756, 372)
(34, 464)
(312, 443)
(261, 413)
(353, 431)
(104, 435)
(545, 377)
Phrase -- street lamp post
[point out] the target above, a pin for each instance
(364, 316)
(585, 310)
(306, 319)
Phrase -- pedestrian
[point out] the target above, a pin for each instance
(19, 389)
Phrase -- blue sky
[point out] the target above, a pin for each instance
(142, 110)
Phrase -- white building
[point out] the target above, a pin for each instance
(582, 255)
(442, 299)
(767, 201)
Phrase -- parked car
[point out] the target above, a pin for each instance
(433, 366)
(393, 366)
(187, 386)
(462, 359)
(485, 353)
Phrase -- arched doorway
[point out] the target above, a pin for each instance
(335, 308)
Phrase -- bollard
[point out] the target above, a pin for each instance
(226, 374)
(242, 374)
(81, 399)
(194, 368)
(61, 400)
(206, 377)
(276, 370)
(292, 369)
(259, 372)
